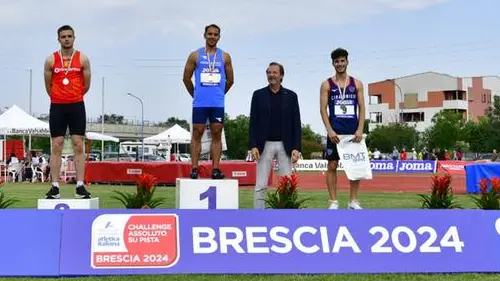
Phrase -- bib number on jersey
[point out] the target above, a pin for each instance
(209, 79)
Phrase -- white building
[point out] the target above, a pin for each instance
(415, 99)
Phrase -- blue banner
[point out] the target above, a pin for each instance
(390, 166)
(251, 241)
(417, 166)
(30, 242)
(120, 242)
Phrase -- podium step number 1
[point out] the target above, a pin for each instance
(207, 194)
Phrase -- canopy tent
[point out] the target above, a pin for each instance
(100, 137)
(16, 121)
(175, 134)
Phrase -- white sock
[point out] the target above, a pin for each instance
(79, 183)
(56, 184)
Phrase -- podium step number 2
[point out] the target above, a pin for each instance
(207, 194)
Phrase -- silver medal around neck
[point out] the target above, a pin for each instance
(65, 81)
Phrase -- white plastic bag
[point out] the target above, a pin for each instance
(206, 140)
(354, 158)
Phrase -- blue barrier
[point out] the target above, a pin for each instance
(123, 242)
(30, 242)
(477, 171)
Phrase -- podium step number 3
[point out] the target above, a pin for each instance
(207, 194)
(63, 204)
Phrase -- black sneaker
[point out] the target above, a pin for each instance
(53, 193)
(194, 173)
(82, 193)
(217, 174)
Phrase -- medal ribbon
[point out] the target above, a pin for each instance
(211, 67)
(70, 61)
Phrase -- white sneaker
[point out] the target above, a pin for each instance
(354, 205)
(334, 204)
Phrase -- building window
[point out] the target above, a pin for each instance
(376, 117)
(413, 117)
(484, 98)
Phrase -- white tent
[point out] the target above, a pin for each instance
(16, 121)
(101, 137)
(175, 134)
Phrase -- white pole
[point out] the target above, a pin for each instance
(30, 105)
(102, 121)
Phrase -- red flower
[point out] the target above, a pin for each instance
(441, 185)
(483, 185)
(146, 181)
(294, 182)
(495, 184)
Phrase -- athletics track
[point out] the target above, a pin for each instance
(381, 182)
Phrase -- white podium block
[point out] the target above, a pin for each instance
(62, 204)
(207, 194)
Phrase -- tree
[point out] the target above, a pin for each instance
(311, 142)
(236, 132)
(171, 121)
(384, 138)
(478, 134)
(445, 130)
(112, 119)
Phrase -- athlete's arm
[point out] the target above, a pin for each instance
(188, 72)
(86, 73)
(361, 105)
(228, 67)
(323, 104)
(47, 73)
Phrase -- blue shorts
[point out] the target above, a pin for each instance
(213, 114)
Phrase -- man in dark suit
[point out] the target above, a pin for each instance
(275, 130)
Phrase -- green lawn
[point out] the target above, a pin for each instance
(29, 193)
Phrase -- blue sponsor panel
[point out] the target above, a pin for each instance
(387, 166)
(122, 242)
(30, 242)
(417, 166)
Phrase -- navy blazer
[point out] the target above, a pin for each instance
(260, 113)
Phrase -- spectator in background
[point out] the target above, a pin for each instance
(494, 156)
(395, 154)
(403, 155)
(447, 155)
(12, 159)
(376, 154)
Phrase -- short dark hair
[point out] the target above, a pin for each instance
(338, 53)
(281, 68)
(213, 25)
(63, 28)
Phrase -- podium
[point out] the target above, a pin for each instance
(63, 204)
(207, 194)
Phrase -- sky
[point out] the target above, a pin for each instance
(141, 46)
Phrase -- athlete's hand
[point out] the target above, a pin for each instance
(295, 156)
(255, 154)
(358, 136)
(333, 136)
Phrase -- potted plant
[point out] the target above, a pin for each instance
(489, 197)
(143, 198)
(441, 196)
(286, 195)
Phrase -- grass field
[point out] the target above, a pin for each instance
(29, 193)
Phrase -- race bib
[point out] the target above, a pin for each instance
(344, 110)
(210, 79)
